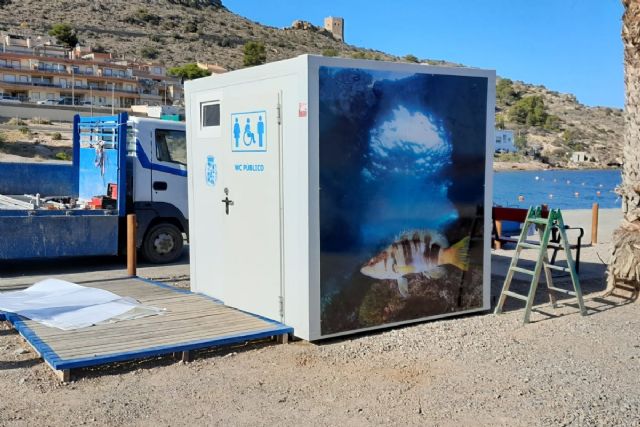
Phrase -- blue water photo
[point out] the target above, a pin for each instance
(561, 189)
(402, 196)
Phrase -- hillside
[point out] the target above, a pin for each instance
(169, 31)
(560, 125)
(180, 31)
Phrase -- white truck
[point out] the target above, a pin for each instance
(121, 165)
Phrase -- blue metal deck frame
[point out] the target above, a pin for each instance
(58, 363)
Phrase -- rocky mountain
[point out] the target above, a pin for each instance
(171, 31)
(181, 31)
(551, 125)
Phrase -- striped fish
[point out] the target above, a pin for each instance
(417, 252)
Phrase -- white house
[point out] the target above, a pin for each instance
(504, 141)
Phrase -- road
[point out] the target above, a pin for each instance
(16, 275)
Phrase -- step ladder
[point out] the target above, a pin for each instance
(544, 226)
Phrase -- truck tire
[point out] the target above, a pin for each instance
(162, 243)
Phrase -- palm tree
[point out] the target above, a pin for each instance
(624, 267)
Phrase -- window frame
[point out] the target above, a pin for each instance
(203, 105)
(157, 151)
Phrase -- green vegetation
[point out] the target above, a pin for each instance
(508, 157)
(570, 138)
(64, 34)
(56, 136)
(188, 71)
(191, 27)
(149, 52)
(61, 155)
(521, 142)
(198, 4)
(366, 55)
(505, 92)
(24, 130)
(143, 15)
(530, 111)
(3, 138)
(254, 54)
(40, 121)
(330, 52)
(500, 121)
(552, 123)
(567, 136)
(411, 58)
(16, 121)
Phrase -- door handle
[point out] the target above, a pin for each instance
(159, 185)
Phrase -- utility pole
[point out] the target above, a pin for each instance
(113, 102)
(73, 87)
(91, 97)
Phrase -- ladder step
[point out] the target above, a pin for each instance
(559, 268)
(523, 270)
(515, 295)
(528, 245)
(540, 221)
(562, 291)
(534, 216)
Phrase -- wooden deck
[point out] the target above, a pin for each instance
(192, 321)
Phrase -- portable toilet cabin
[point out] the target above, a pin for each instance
(340, 195)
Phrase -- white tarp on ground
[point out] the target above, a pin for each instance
(65, 305)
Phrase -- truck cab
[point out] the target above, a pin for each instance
(157, 186)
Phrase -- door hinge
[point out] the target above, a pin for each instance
(279, 113)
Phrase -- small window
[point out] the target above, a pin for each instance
(171, 146)
(210, 114)
(131, 141)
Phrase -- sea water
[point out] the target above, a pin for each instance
(563, 189)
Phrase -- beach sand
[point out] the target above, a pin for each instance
(593, 257)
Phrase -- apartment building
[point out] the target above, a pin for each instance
(35, 69)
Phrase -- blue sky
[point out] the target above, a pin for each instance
(570, 46)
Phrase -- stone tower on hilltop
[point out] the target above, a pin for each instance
(335, 25)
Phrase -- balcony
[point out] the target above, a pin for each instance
(68, 87)
(66, 71)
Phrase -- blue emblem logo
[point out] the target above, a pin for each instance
(211, 171)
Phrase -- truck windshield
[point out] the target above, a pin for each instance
(171, 146)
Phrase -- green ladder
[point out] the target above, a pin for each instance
(544, 226)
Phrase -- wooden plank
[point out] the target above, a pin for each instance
(176, 335)
(152, 341)
(166, 323)
(169, 328)
(95, 352)
(283, 339)
(190, 319)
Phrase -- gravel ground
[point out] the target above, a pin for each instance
(480, 370)
(562, 369)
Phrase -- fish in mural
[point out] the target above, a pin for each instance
(417, 252)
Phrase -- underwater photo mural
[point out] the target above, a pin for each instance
(402, 178)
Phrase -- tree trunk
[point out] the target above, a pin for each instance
(624, 267)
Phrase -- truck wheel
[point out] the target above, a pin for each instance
(162, 244)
